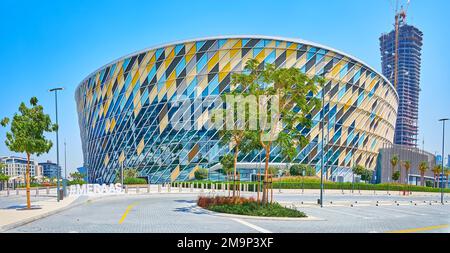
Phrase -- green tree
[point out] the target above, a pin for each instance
(394, 162)
(367, 175)
(436, 171)
(28, 128)
(358, 170)
(300, 169)
(237, 133)
(77, 176)
(3, 176)
(273, 171)
(227, 162)
(201, 174)
(447, 173)
(289, 88)
(407, 166)
(396, 175)
(423, 167)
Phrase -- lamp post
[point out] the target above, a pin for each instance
(443, 149)
(58, 175)
(322, 148)
(65, 169)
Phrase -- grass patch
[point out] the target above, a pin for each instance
(243, 206)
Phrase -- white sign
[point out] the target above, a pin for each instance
(95, 189)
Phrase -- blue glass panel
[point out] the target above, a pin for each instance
(181, 65)
(178, 48)
(342, 92)
(201, 63)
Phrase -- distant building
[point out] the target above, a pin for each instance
(408, 78)
(50, 169)
(415, 156)
(16, 167)
(439, 160)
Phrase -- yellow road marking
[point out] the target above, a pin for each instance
(414, 230)
(126, 212)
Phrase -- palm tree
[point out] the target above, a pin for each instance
(447, 173)
(423, 167)
(407, 166)
(394, 162)
(436, 171)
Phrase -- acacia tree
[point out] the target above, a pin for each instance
(407, 166)
(423, 167)
(290, 89)
(394, 162)
(27, 134)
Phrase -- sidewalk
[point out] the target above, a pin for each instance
(11, 217)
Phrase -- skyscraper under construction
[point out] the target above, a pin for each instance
(401, 62)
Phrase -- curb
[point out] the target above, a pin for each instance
(227, 215)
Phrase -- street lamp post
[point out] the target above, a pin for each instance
(65, 169)
(58, 175)
(443, 150)
(323, 139)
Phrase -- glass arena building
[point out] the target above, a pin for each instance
(127, 109)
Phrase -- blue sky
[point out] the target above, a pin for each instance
(58, 43)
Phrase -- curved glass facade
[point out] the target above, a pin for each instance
(128, 108)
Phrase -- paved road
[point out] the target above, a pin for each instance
(178, 213)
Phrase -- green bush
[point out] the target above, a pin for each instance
(298, 169)
(132, 180)
(75, 182)
(243, 206)
(201, 174)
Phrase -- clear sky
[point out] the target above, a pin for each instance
(44, 44)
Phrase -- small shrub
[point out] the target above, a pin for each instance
(201, 174)
(132, 180)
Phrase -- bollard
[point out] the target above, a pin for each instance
(37, 192)
(47, 190)
(192, 187)
(17, 191)
(159, 188)
(148, 188)
(138, 189)
(168, 187)
(7, 192)
(126, 188)
(180, 188)
(201, 188)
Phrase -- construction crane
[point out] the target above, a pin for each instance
(400, 18)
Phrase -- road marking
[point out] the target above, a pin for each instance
(414, 230)
(404, 211)
(349, 214)
(126, 212)
(257, 228)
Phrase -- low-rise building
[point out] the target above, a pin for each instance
(50, 169)
(15, 167)
(415, 156)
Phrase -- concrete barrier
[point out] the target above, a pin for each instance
(148, 188)
(138, 189)
(159, 188)
(126, 188)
